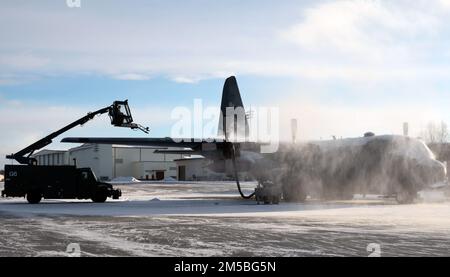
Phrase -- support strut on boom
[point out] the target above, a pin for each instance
(119, 113)
(236, 175)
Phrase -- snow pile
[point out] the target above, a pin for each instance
(169, 179)
(125, 180)
(440, 185)
(432, 196)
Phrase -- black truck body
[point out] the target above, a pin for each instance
(35, 181)
(55, 182)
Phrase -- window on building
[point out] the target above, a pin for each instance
(84, 175)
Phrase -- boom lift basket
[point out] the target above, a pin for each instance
(119, 113)
(120, 116)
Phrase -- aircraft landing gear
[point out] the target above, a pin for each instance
(268, 193)
(405, 197)
(293, 192)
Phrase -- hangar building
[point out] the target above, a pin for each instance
(195, 168)
(111, 161)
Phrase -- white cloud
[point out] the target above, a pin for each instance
(321, 120)
(22, 61)
(445, 3)
(23, 123)
(185, 80)
(365, 30)
(132, 77)
(351, 40)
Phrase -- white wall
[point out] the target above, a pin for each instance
(46, 157)
(98, 157)
(141, 169)
(105, 161)
(195, 167)
(123, 159)
(109, 162)
(139, 162)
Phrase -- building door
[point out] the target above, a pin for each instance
(181, 173)
(159, 175)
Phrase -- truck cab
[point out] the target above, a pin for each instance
(55, 182)
(89, 187)
(35, 181)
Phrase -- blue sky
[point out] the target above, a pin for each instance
(340, 67)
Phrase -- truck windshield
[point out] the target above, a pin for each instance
(93, 175)
(88, 173)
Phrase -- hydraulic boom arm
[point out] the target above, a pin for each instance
(119, 113)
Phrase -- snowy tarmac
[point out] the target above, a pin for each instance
(209, 219)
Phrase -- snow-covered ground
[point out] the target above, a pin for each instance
(208, 218)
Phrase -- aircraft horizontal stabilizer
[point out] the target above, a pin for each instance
(162, 142)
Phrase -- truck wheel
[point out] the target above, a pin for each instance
(276, 200)
(99, 196)
(405, 197)
(406, 190)
(294, 193)
(34, 197)
(336, 192)
(344, 195)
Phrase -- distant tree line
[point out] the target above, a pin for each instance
(436, 136)
(435, 133)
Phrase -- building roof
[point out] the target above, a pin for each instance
(146, 147)
(90, 145)
(441, 150)
(192, 157)
(48, 151)
(81, 147)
